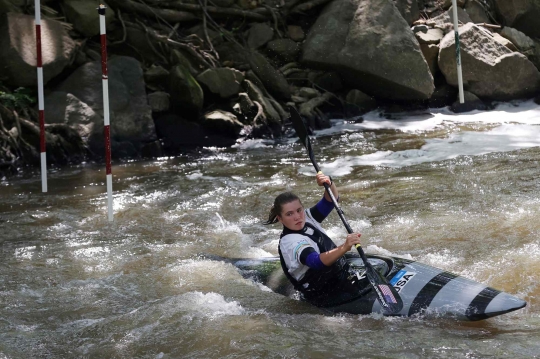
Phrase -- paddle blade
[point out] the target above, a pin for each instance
(299, 127)
(387, 296)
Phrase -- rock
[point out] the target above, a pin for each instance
(448, 3)
(273, 80)
(328, 81)
(308, 92)
(370, 44)
(223, 123)
(224, 82)
(259, 34)
(522, 15)
(477, 12)
(408, 9)
(445, 21)
(471, 103)
(286, 50)
(18, 44)
(443, 95)
(156, 77)
(152, 149)
(8, 6)
(84, 17)
(186, 94)
(66, 108)
(431, 54)
(296, 33)
(522, 41)
(177, 134)
(431, 37)
(130, 115)
(247, 109)
(504, 41)
(420, 28)
(490, 70)
(159, 101)
(358, 103)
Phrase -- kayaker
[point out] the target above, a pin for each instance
(310, 259)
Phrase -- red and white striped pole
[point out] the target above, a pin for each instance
(107, 130)
(41, 106)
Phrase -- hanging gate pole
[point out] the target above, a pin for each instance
(41, 105)
(458, 52)
(107, 130)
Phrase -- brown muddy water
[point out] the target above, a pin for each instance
(460, 193)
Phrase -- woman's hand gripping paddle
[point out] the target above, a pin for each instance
(386, 294)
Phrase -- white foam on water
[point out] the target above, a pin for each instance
(253, 144)
(526, 112)
(504, 138)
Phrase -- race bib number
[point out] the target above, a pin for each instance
(401, 279)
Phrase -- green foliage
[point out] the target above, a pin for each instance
(21, 97)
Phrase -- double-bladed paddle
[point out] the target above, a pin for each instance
(386, 294)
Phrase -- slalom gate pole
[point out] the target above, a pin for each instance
(107, 130)
(41, 105)
(458, 52)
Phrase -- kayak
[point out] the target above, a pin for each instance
(425, 290)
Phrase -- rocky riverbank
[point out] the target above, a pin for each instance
(185, 74)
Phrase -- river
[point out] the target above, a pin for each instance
(459, 192)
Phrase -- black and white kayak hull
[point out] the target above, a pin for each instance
(425, 290)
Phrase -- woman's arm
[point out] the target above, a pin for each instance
(330, 257)
(321, 179)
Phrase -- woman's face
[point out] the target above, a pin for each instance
(292, 215)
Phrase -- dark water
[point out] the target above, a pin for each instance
(460, 194)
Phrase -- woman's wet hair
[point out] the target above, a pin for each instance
(282, 199)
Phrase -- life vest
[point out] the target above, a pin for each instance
(325, 287)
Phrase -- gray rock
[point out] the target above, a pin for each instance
(490, 70)
(223, 123)
(187, 97)
(8, 6)
(358, 103)
(432, 36)
(259, 34)
(308, 92)
(84, 17)
(504, 41)
(159, 101)
(296, 33)
(273, 80)
(285, 50)
(448, 3)
(522, 15)
(477, 12)
(372, 47)
(420, 28)
(471, 103)
(445, 21)
(130, 115)
(224, 82)
(522, 41)
(408, 9)
(431, 54)
(18, 54)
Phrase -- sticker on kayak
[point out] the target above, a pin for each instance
(401, 279)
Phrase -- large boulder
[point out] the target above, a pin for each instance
(272, 79)
(187, 96)
(521, 14)
(224, 81)
(18, 55)
(373, 48)
(490, 70)
(408, 9)
(130, 115)
(84, 16)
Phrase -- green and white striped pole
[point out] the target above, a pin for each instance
(458, 54)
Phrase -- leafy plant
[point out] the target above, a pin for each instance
(21, 97)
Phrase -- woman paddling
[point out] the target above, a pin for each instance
(310, 259)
